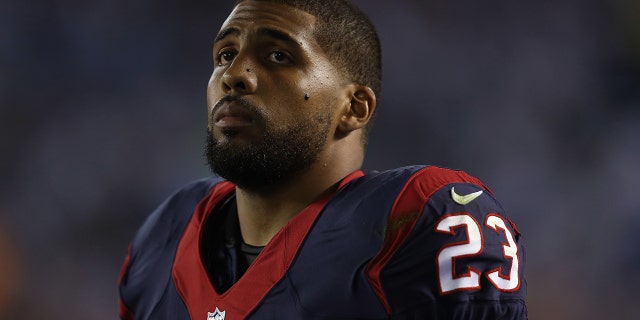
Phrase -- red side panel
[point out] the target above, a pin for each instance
(124, 312)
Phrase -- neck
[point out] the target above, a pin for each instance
(263, 214)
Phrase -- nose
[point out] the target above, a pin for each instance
(239, 78)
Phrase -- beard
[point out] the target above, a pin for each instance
(271, 162)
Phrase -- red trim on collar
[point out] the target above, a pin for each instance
(354, 175)
(190, 276)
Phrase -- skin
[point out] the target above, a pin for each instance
(265, 53)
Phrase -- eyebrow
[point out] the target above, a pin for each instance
(268, 32)
(279, 35)
(226, 32)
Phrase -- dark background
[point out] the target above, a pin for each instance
(102, 116)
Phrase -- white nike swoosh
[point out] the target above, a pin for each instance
(466, 198)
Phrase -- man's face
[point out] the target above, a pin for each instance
(272, 98)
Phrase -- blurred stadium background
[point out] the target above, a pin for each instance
(102, 115)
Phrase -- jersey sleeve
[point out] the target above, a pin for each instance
(451, 252)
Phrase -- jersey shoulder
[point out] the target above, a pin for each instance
(146, 272)
(173, 214)
(421, 184)
(450, 250)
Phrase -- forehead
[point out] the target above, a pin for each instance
(249, 16)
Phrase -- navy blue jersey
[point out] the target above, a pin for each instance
(411, 243)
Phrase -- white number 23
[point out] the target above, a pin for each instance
(449, 280)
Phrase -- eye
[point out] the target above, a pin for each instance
(279, 57)
(226, 56)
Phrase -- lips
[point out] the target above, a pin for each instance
(232, 115)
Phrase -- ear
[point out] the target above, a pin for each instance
(360, 109)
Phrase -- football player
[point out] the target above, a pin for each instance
(290, 227)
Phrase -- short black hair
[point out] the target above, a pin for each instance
(347, 36)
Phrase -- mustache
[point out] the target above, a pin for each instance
(239, 100)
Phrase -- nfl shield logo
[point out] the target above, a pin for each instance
(216, 315)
